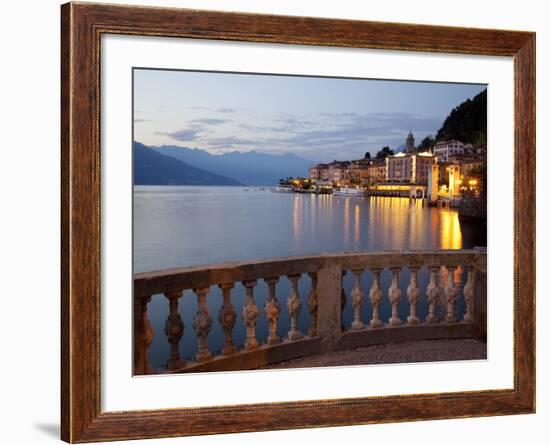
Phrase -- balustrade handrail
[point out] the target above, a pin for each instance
(175, 279)
(325, 302)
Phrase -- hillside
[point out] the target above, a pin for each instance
(467, 122)
(250, 168)
(152, 168)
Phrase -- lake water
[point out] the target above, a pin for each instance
(190, 226)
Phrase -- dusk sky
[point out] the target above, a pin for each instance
(320, 119)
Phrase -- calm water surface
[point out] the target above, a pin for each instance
(189, 226)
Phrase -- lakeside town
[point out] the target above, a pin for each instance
(367, 256)
(448, 173)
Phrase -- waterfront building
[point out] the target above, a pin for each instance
(469, 163)
(319, 172)
(358, 171)
(322, 186)
(398, 190)
(338, 172)
(433, 183)
(480, 149)
(313, 172)
(411, 168)
(459, 184)
(468, 149)
(444, 171)
(445, 149)
(455, 182)
(460, 159)
(376, 171)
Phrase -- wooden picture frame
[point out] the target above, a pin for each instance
(82, 26)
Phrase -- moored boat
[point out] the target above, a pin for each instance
(348, 191)
(283, 189)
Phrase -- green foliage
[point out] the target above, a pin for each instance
(427, 142)
(384, 153)
(467, 122)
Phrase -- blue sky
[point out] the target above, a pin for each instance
(320, 119)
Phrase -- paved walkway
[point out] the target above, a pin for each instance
(409, 352)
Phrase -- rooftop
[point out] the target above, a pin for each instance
(447, 142)
(403, 154)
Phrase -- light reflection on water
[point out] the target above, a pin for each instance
(188, 226)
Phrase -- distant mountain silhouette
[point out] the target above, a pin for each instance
(250, 168)
(152, 168)
(400, 148)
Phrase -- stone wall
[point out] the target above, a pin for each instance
(473, 208)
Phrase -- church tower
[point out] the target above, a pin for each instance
(409, 148)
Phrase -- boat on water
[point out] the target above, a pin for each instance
(348, 191)
(283, 189)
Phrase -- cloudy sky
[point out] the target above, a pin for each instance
(320, 119)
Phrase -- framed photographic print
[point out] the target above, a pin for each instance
(277, 222)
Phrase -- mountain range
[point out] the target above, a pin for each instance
(249, 168)
(152, 168)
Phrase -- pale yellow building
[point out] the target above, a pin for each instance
(318, 172)
(376, 171)
(411, 168)
(358, 171)
(338, 172)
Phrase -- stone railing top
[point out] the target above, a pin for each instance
(176, 279)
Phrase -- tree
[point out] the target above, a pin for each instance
(367, 155)
(384, 153)
(467, 122)
(427, 142)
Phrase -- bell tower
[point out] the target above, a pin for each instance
(409, 147)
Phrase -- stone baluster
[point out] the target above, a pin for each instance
(313, 304)
(202, 325)
(272, 311)
(357, 298)
(143, 336)
(469, 296)
(394, 295)
(250, 314)
(432, 292)
(173, 329)
(451, 293)
(294, 305)
(227, 318)
(375, 296)
(343, 298)
(413, 294)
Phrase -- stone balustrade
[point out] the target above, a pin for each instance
(325, 302)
